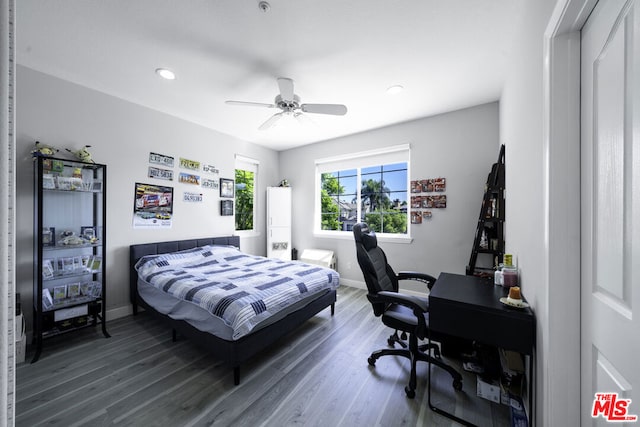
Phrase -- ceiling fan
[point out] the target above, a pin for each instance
(289, 104)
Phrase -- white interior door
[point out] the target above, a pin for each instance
(610, 205)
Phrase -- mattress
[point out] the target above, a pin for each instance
(222, 291)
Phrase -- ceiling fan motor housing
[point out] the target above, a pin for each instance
(286, 105)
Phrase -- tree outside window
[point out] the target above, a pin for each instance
(244, 199)
(381, 201)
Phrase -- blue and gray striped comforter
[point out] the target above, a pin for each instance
(241, 289)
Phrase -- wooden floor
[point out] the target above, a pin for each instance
(318, 375)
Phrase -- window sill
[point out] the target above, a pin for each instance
(348, 235)
(246, 233)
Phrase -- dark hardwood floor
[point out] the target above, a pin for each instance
(318, 375)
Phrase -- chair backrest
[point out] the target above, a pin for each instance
(378, 274)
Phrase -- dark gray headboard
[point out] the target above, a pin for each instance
(138, 251)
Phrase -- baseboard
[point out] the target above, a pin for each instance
(117, 313)
(362, 285)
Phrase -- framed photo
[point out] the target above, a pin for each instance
(440, 201)
(88, 232)
(440, 184)
(226, 207)
(68, 265)
(73, 290)
(57, 165)
(48, 181)
(226, 187)
(47, 301)
(49, 236)
(47, 268)
(96, 185)
(416, 217)
(95, 264)
(85, 290)
(59, 292)
(96, 292)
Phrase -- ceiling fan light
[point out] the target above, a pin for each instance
(393, 90)
(165, 73)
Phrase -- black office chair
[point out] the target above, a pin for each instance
(406, 313)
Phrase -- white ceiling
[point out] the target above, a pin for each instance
(448, 54)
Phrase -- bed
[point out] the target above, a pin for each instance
(198, 318)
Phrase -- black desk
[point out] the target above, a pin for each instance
(470, 307)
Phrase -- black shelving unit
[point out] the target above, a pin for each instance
(488, 242)
(69, 248)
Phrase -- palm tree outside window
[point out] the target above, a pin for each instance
(380, 198)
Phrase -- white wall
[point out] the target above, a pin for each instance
(521, 129)
(460, 146)
(122, 134)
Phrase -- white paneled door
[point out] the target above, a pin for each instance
(610, 219)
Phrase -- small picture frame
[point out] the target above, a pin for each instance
(47, 269)
(416, 217)
(57, 166)
(227, 187)
(95, 264)
(85, 290)
(47, 301)
(59, 292)
(88, 232)
(49, 236)
(97, 290)
(96, 185)
(48, 181)
(84, 259)
(226, 207)
(73, 290)
(68, 265)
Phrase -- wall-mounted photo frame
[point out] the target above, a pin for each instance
(226, 187)
(226, 207)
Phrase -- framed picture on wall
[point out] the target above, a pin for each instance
(226, 207)
(226, 187)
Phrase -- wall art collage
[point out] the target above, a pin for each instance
(153, 205)
(426, 194)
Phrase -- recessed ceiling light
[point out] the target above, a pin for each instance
(165, 74)
(394, 89)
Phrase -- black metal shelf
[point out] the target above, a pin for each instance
(490, 220)
(69, 195)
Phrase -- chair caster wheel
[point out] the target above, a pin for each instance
(410, 393)
(457, 385)
(391, 341)
(372, 361)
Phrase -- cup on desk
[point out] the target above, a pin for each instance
(509, 277)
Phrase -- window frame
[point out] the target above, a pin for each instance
(251, 165)
(359, 160)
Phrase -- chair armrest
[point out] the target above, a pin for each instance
(420, 277)
(417, 304)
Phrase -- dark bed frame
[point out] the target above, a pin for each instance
(231, 352)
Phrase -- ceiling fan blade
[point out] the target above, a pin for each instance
(250, 104)
(271, 121)
(335, 109)
(286, 88)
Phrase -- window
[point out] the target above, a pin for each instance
(246, 182)
(370, 187)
